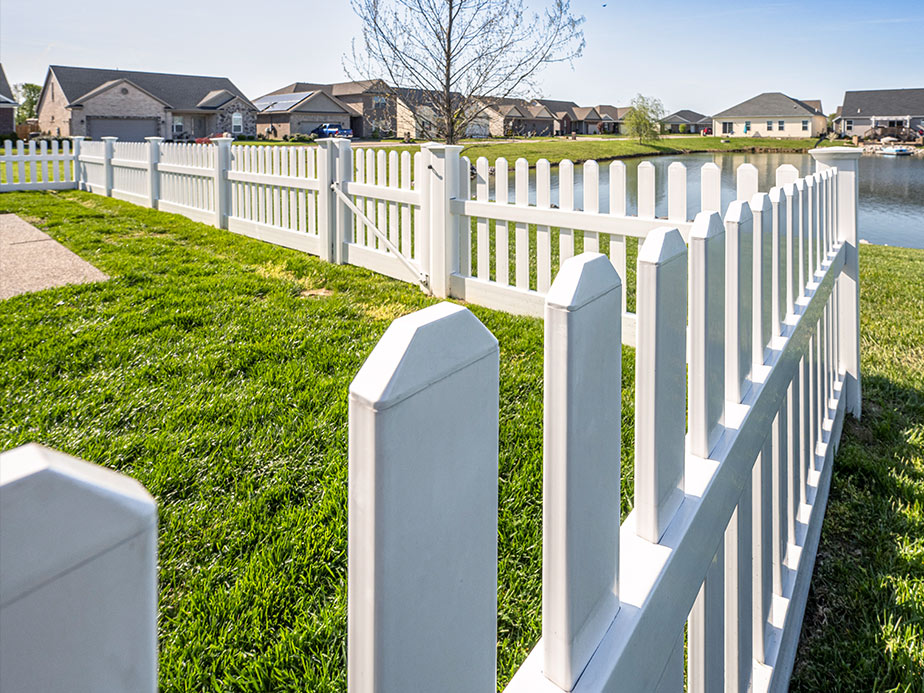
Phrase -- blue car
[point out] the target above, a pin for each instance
(332, 130)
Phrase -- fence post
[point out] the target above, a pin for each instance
(78, 589)
(846, 160)
(660, 378)
(422, 543)
(153, 173)
(443, 171)
(581, 441)
(107, 164)
(327, 200)
(222, 193)
(343, 228)
(79, 180)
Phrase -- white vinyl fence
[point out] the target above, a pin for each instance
(747, 360)
(434, 218)
(750, 324)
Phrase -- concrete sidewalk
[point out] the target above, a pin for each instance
(31, 260)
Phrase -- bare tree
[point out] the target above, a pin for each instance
(448, 60)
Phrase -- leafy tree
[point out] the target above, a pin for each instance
(644, 119)
(27, 95)
(448, 60)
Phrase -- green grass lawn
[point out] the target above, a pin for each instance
(214, 369)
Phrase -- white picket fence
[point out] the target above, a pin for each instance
(749, 325)
(752, 327)
(434, 218)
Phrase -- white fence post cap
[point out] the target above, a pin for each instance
(706, 225)
(661, 245)
(56, 511)
(581, 280)
(413, 353)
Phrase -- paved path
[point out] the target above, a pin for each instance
(31, 260)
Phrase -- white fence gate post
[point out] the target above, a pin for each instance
(422, 581)
(78, 576)
(581, 500)
(327, 199)
(153, 173)
(107, 164)
(222, 184)
(80, 180)
(443, 171)
(846, 160)
(343, 173)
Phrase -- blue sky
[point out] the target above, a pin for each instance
(705, 56)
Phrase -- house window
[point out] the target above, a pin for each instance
(237, 123)
(747, 126)
(177, 124)
(804, 126)
(850, 125)
(782, 125)
(727, 129)
(378, 102)
(769, 126)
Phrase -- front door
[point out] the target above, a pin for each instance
(199, 126)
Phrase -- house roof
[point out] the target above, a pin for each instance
(586, 113)
(614, 112)
(883, 102)
(773, 104)
(686, 116)
(334, 89)
(5, 90)
(286, 103)
(182, 92)
(105, 86)
(559, 108)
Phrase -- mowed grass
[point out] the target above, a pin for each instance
(864, 623)
(214, 369)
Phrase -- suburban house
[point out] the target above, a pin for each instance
(613, 118)
(417, 116)
(133, 105)
(881, 112)
(372, 102)
(686, 121)
(772, 114)
(8, 106)
(518, 117)
(571, 118)
(300, 112)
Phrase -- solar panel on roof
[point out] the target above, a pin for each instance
(280, 102)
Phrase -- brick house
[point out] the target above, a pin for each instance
(299, 113)
(372, 102)
(8, 106)
(133, 105)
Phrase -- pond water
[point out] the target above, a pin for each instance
(891, 189)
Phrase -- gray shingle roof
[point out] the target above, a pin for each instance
(771, 104)
(883, 102)
(182, 92)
(5, 86)
(335, 89)
(614, 112)
(686, 116)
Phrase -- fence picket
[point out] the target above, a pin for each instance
(521, 247)
(465, 223)
(778, 261)
(591, 202)
(762, 275)
(739, 265)
(677, 192)
(394, 231)
(646, 190)
(406, 208)
(660, 365)
(543, 240)
(746, 182)
(617, 190)
(566, 202)
(483, 230)
(711, 188)
(581, 476)
(502, 251)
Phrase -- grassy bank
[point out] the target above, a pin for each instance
(215, 368)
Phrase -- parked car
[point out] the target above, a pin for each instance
(332, 130)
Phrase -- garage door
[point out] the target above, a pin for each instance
(126, 129)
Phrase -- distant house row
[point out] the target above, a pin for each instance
(132, 105)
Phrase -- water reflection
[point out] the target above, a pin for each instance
(891, 189)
